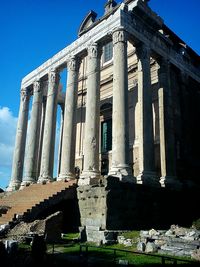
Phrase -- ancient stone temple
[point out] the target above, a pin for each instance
(129, 116)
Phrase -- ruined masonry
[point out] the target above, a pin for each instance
(129, 122)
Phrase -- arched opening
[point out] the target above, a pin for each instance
(106, 137)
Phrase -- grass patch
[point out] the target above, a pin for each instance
(131, 235)
(111, 256)
(70, 236)
(24, 246)
(99, 256)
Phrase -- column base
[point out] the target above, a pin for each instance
(148, 178)
(66, 177)
(89, 178)
(123, 173)
(44, 179)
(26, 183)
(13, 186)
(170, 182)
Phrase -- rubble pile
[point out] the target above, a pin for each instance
(177, 241)
(50, 227)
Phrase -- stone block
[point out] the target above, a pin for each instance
(91, 222)
(160, 242)
(153, 232)
(128, 243)
(141, 246)
(196, 254)
(123, 262)
(120, 239)
(144, 233)
(151, 247)
(92, 228)
(169, 233)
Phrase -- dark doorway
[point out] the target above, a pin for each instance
(106, 136)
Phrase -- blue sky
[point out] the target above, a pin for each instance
(32, 31)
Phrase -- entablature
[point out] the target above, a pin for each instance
(140, 29)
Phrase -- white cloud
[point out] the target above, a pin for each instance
(8, 125)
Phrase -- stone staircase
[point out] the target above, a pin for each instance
(30, 201)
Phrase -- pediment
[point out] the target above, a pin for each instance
(87, 22)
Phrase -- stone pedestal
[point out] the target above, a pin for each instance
(47, 158)
(67, 167)
(114, 206)
(20, 142)
(120, 138)
(147, 173)
(31, 159)
(91, 173)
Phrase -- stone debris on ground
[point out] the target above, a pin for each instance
(177, 241)
(50, 227)
(127, 242)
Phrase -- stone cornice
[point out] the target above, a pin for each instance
(77, 47)
(157, 42)
(139, 31)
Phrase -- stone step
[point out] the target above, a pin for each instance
(32, 197)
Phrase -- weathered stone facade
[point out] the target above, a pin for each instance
(132, 116)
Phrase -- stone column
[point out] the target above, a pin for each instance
(31, 158)
(67, 167)
(41, 134)
(60, 139)
(167, 142)
(47, 158)
(20, 142)
(120, 138)
(147, 173)
(91, 173)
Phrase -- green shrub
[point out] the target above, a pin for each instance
(196, 224)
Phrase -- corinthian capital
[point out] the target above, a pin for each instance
(73, 64)
(93, 50)
(36, 87)
(25, 94)
(119, 35)
(54, 76)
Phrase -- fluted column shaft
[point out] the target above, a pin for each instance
(20, 142)
(41, 135)
(47, 158)
(120, 136)
(167, 142)
(147, 173)
(91, 173)
(60, 139)
(67, 166)
(31, 158)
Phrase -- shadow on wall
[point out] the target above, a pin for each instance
(136, 207)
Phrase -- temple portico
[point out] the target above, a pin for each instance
(117, 60)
